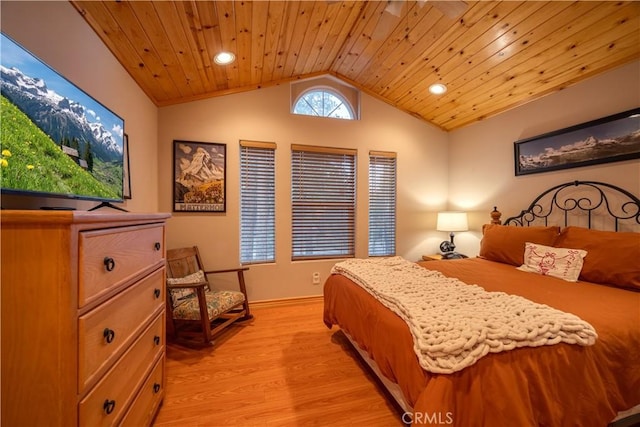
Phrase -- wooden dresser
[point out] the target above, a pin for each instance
(83, 318)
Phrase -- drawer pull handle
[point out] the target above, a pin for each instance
(109, 335)
(109, 263)
(156, 340)
(156, 387)
(109, 406)
(156, 293)
(157, 246)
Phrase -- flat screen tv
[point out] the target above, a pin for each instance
(56, 140)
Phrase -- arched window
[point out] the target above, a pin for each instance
(323, 102)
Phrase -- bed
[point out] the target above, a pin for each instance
(562, 384)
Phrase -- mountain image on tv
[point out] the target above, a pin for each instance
(55, 138)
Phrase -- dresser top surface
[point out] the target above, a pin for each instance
(76, 217)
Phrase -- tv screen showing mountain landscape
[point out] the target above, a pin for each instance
(56, 140)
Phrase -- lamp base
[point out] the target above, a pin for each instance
(447, 246)
(453, 255)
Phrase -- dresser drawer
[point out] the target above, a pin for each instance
(108, 400)
(110, 257)
(104, 332)
(144, 407)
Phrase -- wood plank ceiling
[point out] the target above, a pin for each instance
(493, 56)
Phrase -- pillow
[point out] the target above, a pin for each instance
(194, 278)
(505, 244)
(613, 257)
(551, 261)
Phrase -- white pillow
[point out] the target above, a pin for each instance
(549, 261)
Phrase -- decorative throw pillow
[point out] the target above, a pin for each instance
(505, 243)
(191, 279)
(549, 261)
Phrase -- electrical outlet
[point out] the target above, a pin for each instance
(316, 278)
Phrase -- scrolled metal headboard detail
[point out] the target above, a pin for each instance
(588, 197)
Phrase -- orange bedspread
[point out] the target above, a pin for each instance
(558, 385)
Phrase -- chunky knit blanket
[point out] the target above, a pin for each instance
(455, 324)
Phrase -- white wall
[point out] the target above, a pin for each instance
(57, 34)
(263, 115)
(481, 162)
(471, 168)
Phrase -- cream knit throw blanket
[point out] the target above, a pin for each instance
(455, 324)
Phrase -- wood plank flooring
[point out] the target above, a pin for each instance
(284, 368)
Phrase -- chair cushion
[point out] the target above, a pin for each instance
(182, 293)
(218, 302)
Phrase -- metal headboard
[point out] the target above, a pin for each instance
(588, 199)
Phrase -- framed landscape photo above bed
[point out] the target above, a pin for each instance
(609, 139)
(199, 176)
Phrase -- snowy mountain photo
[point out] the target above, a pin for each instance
(58, 116)
(612, 138)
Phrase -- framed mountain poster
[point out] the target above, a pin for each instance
(199, 176)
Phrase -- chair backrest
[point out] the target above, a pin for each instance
(183, 261)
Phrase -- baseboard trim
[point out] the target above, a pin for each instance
(285, 301)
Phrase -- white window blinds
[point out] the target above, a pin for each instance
(323, 199)
(257, 202)
(382, 203)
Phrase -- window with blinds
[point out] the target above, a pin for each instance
(257, 202)
(323, 199)
(382, 203)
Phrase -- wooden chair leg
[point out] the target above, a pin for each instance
(204, 316)
(243, 289)
(170, 324)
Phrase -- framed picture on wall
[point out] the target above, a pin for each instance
(199, 176)
(609, 139)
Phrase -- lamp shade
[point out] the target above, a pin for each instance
(452, 221)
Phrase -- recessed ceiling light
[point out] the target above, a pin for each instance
(224, 58)
(437, 89)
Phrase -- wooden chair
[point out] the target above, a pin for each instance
(194, 309)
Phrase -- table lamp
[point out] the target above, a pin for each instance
(451, 221)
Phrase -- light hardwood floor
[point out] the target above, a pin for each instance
(284, 368)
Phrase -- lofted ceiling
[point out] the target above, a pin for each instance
(493, 56)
